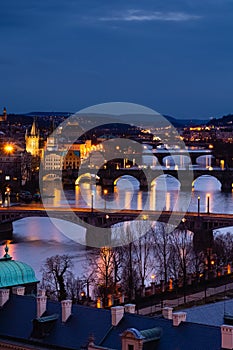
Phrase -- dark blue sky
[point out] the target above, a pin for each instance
(173, 56)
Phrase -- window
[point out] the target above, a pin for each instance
(130, 347)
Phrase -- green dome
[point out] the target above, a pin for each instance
(13, 273)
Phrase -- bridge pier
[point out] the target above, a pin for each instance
(226, 186)
(97, 237)
(202, 239)
(6, 231)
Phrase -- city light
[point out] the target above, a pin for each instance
(198, 205)
(208, 203)
(105, 194)
(8, 148)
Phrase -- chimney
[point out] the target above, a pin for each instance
(41, 302)
(227, 336)
(18, 290)
(4, 296)
(41, 293)
(178, 317)
(66, 306)
(130, 308)
(167, 313)
(117, 313)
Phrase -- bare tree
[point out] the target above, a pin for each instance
(223, 246)
(182, 253)
(143, 258)
(55, 272)
(104, 262)
(129, 273)
(137, 262)
(74, 287)
(162, 248)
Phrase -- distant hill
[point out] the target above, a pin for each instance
(180, 123)
(49, 114)
(27, 118)
(19, 118)
(226, 120)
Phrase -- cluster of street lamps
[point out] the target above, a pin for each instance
(207, 204)
(105, 192)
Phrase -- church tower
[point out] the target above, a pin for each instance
(3, 117)
(32, 140)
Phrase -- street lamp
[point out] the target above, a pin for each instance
(208, 203)
(92, 201)
(8, 196)
(8, 148)
(105, 194)
(153, 284)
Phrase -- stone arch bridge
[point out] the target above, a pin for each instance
(185, 176)
(202, 225)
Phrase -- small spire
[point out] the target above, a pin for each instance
(33, 129)
(7, 256)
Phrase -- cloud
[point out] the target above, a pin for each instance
(149, 16)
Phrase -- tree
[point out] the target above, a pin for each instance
(143, 258)
(55, 273)
(223, 246)
(137, 260)
(74, 287)
(182, 256)
(162, 248)
(104, 263)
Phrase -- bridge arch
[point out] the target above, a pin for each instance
(87, 178)
(206, 161)
(51, 177)
(180, 161)
(166, 182)
(132, 181)
(207, 183)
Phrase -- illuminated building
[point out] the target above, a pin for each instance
(3, 117)
(32, 141)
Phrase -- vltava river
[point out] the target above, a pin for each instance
(35, 239)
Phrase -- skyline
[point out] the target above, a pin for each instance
(175, 58)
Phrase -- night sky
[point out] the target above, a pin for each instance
(63, 55)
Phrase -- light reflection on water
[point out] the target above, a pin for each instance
(37, 238)
(164, 196)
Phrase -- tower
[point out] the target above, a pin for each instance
(32, 140)
(3, 117)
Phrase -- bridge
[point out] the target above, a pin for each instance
(193, 154)
(107, 178)
(201, 224)
(145, 177)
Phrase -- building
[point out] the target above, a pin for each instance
(16, 276)
(3, 117)
(29, 322)
(32, 141)
(213, 314)
(60, 156)
(15, 169)
(32, 322)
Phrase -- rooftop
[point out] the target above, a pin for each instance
(210, 314)
(17, 314)
(13, 273)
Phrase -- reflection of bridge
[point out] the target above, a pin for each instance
(202, 225)
(108, 177)
(162, 154)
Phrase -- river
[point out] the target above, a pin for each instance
(35, 239)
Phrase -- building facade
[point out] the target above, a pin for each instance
(32, 141)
